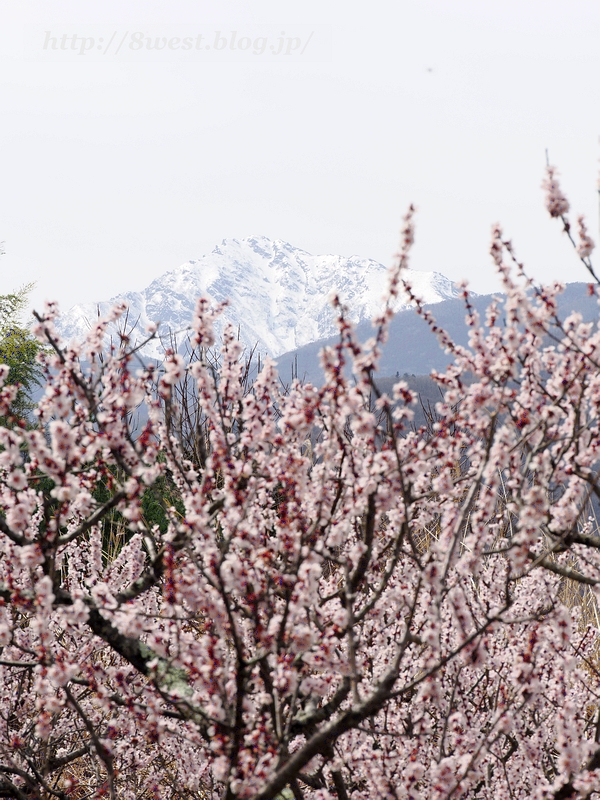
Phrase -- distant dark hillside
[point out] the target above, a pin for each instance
(411, 347)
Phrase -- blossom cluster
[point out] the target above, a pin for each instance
(213, 586)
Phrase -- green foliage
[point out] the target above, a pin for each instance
(159, 497)
(18, 349)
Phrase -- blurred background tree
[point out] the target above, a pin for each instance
(18, 348)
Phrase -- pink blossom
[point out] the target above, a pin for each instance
(586, 243)
(556, 203)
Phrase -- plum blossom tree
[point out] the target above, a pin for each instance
(337, 605)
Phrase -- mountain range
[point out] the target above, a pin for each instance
(280, 295)
(280, 302)
(412, 349)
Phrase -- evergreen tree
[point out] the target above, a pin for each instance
(18, 348)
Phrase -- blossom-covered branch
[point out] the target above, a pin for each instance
(215, 586)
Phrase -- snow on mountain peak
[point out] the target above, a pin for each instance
(279, 294)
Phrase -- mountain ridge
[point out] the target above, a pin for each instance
(279, 294)
(411, 347)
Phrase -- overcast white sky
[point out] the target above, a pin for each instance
(118, 167)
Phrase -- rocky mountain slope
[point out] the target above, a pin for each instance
(279, 294)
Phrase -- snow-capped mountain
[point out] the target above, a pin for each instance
(279, 294)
